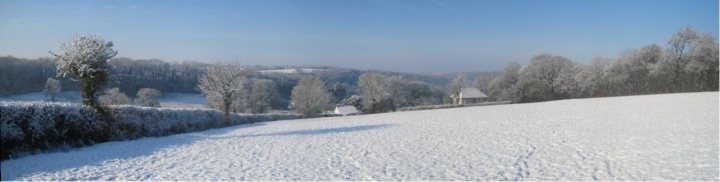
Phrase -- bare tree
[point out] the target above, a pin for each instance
(650, 56)
(681, 43)
(114, 97)
(483, 79)
(261, 95)
(592, 78)
(456, 87)
(703, 65)
(374, 89)
(148, 97)
(84, 58)
(222, 83)
(505, 87)
(310, 96)
(544, 75)
(52, 87)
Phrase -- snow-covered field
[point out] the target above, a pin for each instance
(657, 137)
(64, 96)
(183, 100)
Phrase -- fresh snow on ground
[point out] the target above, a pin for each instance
(655, 137)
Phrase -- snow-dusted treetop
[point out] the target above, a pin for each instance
(84, 57)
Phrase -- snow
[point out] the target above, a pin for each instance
(655, 137)
(64, 96)
(169, 100)
(290, 71)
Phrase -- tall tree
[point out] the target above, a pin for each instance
(703, 65)
(262, 94)
(592, 78)
(456, 87)
(223, 83)
(545, 74)
(681, 44)
(85, 58)
(374, 90)
(483, 79)
(504, 88)
(310, 96)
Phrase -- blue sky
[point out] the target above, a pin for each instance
(396, 35)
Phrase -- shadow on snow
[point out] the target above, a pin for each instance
(111, 151)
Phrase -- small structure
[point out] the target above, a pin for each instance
(469, 96)
(346, 110)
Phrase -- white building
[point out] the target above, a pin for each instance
(346, 110)
(470, 95)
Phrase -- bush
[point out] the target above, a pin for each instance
(27, 127)
(114, 97)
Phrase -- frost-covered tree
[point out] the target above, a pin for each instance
(483, 79)
(354, 100)
(310, 96)
(592, 80)
(408, 93)
(543, 77)
(52, 87)
(262, 94)
(221, 85)
(114, 97)
(680, 45)
(148, 97)
(456, 87)
(504, 88)
(85, 58)
(374, 90)
(650, 56)
(703, 65)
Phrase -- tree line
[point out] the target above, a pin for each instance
(688, 62)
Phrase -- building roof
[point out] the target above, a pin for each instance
(468, 93)
(345, 110)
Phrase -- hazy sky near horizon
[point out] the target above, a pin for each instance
(395, 35)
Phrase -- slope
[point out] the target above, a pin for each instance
(654, 137)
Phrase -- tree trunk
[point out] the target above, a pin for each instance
(226, 108)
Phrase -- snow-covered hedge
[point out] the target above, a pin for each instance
(37, 126)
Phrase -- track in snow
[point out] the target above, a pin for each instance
(657, 137)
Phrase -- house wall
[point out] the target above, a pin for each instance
(471, 100)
